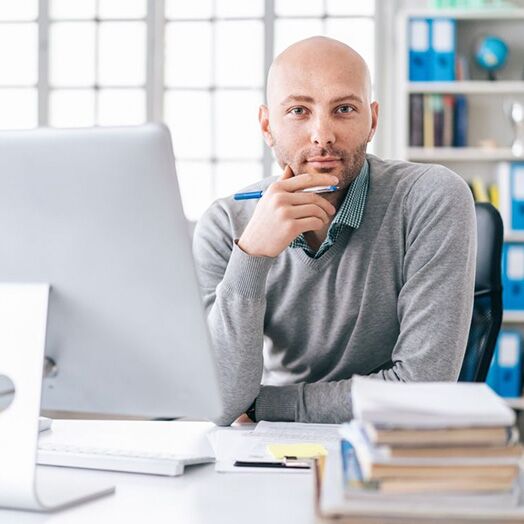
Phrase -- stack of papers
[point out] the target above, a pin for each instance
(428, 404)
(431, 438)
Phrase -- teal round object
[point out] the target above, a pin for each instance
(491, 53)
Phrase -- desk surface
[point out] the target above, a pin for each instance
(199, 496)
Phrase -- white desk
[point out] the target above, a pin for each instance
(200, 496)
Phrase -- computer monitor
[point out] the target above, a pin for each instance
(97, 214)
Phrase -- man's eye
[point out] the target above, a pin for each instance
(345, 109)
(299, 111)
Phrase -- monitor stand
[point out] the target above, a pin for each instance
(23, 319)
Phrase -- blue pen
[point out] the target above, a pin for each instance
(258, 194)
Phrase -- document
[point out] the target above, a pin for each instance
(248, 445)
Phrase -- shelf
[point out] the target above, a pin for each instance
(471, 87)
(509, 13)
(513, 317)
(514, 237)
(460, 154)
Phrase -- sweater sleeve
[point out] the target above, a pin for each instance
(434, 304)
(233, 286)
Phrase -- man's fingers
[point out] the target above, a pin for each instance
(309, 224)
(299, 182)
(309, 210)
(297, 199)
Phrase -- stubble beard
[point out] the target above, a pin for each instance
(352, 161)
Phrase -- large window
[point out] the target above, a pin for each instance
(199, 66)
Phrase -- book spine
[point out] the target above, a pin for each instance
(416, 110)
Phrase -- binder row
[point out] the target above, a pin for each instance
(438, 120)
(432, 49)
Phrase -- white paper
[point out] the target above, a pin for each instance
(515, 265)
(443, 36)
(428, 404)
(518, 183)
(419, 40)
(508, 350)
(231, 444)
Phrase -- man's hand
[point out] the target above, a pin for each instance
(242, 420)
(284, 212)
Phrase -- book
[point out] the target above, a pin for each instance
(428, 123)
(438, 120)
(416, 110)
(480, 436)
(447, 133)
(460, 122)
(428, 405)
(480, 192)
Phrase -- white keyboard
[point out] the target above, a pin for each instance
(53, 454)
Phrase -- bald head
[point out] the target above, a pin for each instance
(319, 116)
(317, 56)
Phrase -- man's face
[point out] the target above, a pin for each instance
(319, 117)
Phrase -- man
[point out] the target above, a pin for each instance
(374, 279)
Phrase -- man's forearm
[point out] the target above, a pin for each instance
(236, 323)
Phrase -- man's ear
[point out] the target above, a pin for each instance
(263, 118)
(374, 120)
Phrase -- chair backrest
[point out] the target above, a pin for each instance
(487, 308)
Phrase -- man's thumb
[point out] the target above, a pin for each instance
(288, 173)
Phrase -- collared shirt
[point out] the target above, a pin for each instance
(348, 215)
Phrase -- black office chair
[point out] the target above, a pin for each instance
(487, 307)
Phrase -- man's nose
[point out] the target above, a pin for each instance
(322, 133)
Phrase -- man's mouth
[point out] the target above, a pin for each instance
(323, 161)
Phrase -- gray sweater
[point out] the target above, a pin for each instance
(392, 299)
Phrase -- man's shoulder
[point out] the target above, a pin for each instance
(406, 177)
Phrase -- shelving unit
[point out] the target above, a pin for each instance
(488, 121)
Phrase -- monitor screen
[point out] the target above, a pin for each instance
(97, 214)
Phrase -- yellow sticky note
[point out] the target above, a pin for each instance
(302, 450)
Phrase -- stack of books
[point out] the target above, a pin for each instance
(438, 120)
(427, 449)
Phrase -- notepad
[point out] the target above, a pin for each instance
(302, 450)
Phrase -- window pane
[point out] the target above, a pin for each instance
(180, 9)
(237, 133)
(240, 58)
(299, 7)
(121, 107)
(231, 177)
(122, 8)
(18, 9)
(72, 108)
(18, 54)
(288, 32)
(188, 115)
(18, 108)
(344, 7)
(183, 69)
(72, 54)
(358, 33)
(122, 53)
(239, 8)
(73, 9)
(196, 183)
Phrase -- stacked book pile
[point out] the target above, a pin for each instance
(429, 449)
